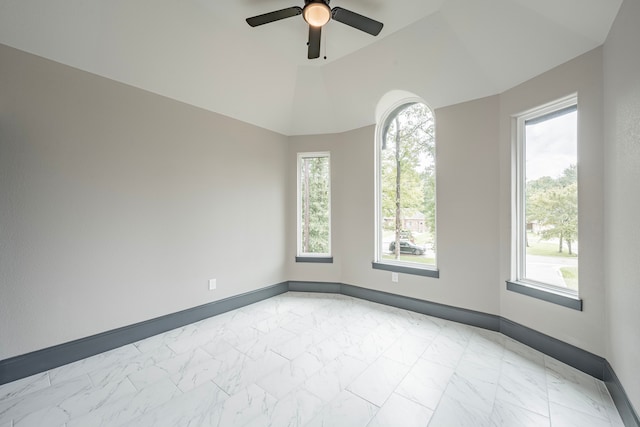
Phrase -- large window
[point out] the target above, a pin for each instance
(314, 207)
(406, 190)
(547, 198)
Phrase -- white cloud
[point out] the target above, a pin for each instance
(551, 146)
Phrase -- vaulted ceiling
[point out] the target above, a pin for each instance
(202, 52)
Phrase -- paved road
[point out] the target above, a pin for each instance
(546, 269)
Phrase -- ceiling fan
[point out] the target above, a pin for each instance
(317, 13)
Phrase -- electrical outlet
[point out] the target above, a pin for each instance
(212, 284)
(394, 277)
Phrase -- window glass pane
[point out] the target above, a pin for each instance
(407, 187)
(551, 199)
(314, 202)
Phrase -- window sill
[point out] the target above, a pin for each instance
(427, 272)
(545, 295)
(315, 259)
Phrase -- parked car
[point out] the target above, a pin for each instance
(406, 247)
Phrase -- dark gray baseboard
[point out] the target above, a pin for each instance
(322, 287)
(573, 356)
(620, 398)
(52, 357)
(461, 315)
(456, 314)
(42, 360)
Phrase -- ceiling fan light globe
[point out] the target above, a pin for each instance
(316, 14)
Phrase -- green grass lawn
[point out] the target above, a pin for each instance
(419, 259)
(546, 248)
(570, 275)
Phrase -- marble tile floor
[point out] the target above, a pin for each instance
(303, 359)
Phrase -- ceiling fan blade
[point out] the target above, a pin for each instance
(274, 16)
(356, 20)
(314, 42)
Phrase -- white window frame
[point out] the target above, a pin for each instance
(428, 270)
(311, 256)
(520, 282)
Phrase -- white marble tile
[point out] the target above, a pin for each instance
(328, 350)
(407, 349)
(400, 411)
(276, 321)
(194, 375)
(46, 397)
(214, 323)
(574, 389)
(506, 415)
(234, 319)
(217, 347)
(238, 370)
(328, 382)
(524, 388)
(453, 412)
(128, 408)
(128, 367)
(612, 412)
(24, 386)
(361, 327)
(310, 321)
(298, 360)
(568, 417)
(291, 375)
(458, 332)
(371, 346)
(390, 328)
(519, 354)
(93, 363)
(161, 340)
(76, 405)
(444, 350)
(272, 306)
(472, 392)
(343, 338)
(345, 410)
(238, 336)
(487, 343)
(420, 325)
(169, 368)
(482, 367)
(200, 337)
(295, 409)
(258, 347)
(425, 383)
(379, 380)
(244, 406)
(187, 409)
(333, 325)
(300, 343)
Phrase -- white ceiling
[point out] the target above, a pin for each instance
(203, 53)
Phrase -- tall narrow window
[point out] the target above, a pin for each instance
(547, 198)
(406, 199)
(314, 207)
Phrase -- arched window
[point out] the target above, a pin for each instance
(406, 189)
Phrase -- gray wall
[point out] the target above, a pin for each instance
(474, 202)
(117, 205)
(622, 201)
(467, 209)
(585, 329)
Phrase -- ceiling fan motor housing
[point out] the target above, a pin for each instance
(316, 12)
